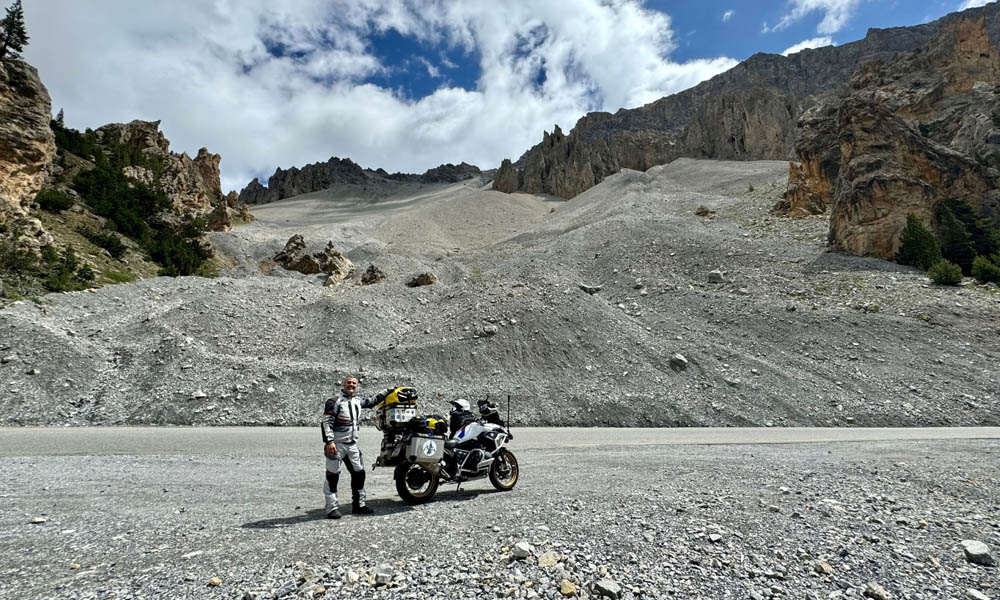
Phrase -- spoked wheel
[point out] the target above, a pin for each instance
(503, 471)
(414, 483)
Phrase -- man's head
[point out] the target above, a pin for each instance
(460, 404)
(350, 386)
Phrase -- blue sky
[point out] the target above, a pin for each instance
(405, 84)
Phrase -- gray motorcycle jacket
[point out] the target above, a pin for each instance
(342, 418)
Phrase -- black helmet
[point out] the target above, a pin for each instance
(406, 395)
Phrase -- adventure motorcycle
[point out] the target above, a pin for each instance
(423, 456)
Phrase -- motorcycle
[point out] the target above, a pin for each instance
(423, 456)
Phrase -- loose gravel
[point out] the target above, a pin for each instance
(578, 309)
(850, 520)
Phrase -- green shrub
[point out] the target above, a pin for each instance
(944, 272)
(50, 255)
(985, 270)
(105, 239)
(54, 201)
(83, 145)
(86, 273)
(66, 274)
(120, 276)
(132, 206)
(918, 248)
(18, 268)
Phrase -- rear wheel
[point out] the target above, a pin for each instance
(414, 483)
(503, 471)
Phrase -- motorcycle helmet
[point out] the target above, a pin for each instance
(461, 404)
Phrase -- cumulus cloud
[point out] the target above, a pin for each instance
(728, 15)
(836, 14)
(266, 85)
(973, 4)
(818, 42)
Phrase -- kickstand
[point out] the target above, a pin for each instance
(458, 489)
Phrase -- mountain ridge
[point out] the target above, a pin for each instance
(314, 177)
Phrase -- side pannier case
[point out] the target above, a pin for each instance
(425, 450)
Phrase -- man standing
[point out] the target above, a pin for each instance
(340, 425)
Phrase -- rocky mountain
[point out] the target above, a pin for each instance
(747, 113)
(885, 126)
(192, 185)
(907, 134)
(320, 176)
(27, 147)
(114, 204)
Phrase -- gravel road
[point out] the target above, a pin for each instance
(159, 513)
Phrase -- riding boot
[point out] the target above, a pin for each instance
(358, 506)
(330, 495)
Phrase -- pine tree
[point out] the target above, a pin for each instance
(984, 235)
(918, 247)
(13, 34)
(956, 243)
(61, 118)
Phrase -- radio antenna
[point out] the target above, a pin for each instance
(508, 411)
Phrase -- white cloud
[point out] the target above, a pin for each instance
(973, 4)
(836, 14)
(432, 70)
(208, 70)
(818, 42)
(728, 15)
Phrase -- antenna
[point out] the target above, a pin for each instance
(508, 411)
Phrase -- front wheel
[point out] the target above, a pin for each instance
(503, 471)
(414, 483)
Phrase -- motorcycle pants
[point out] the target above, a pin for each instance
(350, 455)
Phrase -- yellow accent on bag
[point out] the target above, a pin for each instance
(401, 395)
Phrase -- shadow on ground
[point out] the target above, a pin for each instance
(386, 506)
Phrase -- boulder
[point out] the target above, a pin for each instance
(245, 214)
(422, 279)
(294, 248)
(978, 553)
(219, 219)
(330, 261)
(372, 275)
(334, 264)
(607, 588)
(305, 264)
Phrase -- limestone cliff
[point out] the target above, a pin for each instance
(192, 185)
(747, 113)
(909, 133)
(27, 147)
(889, 170)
